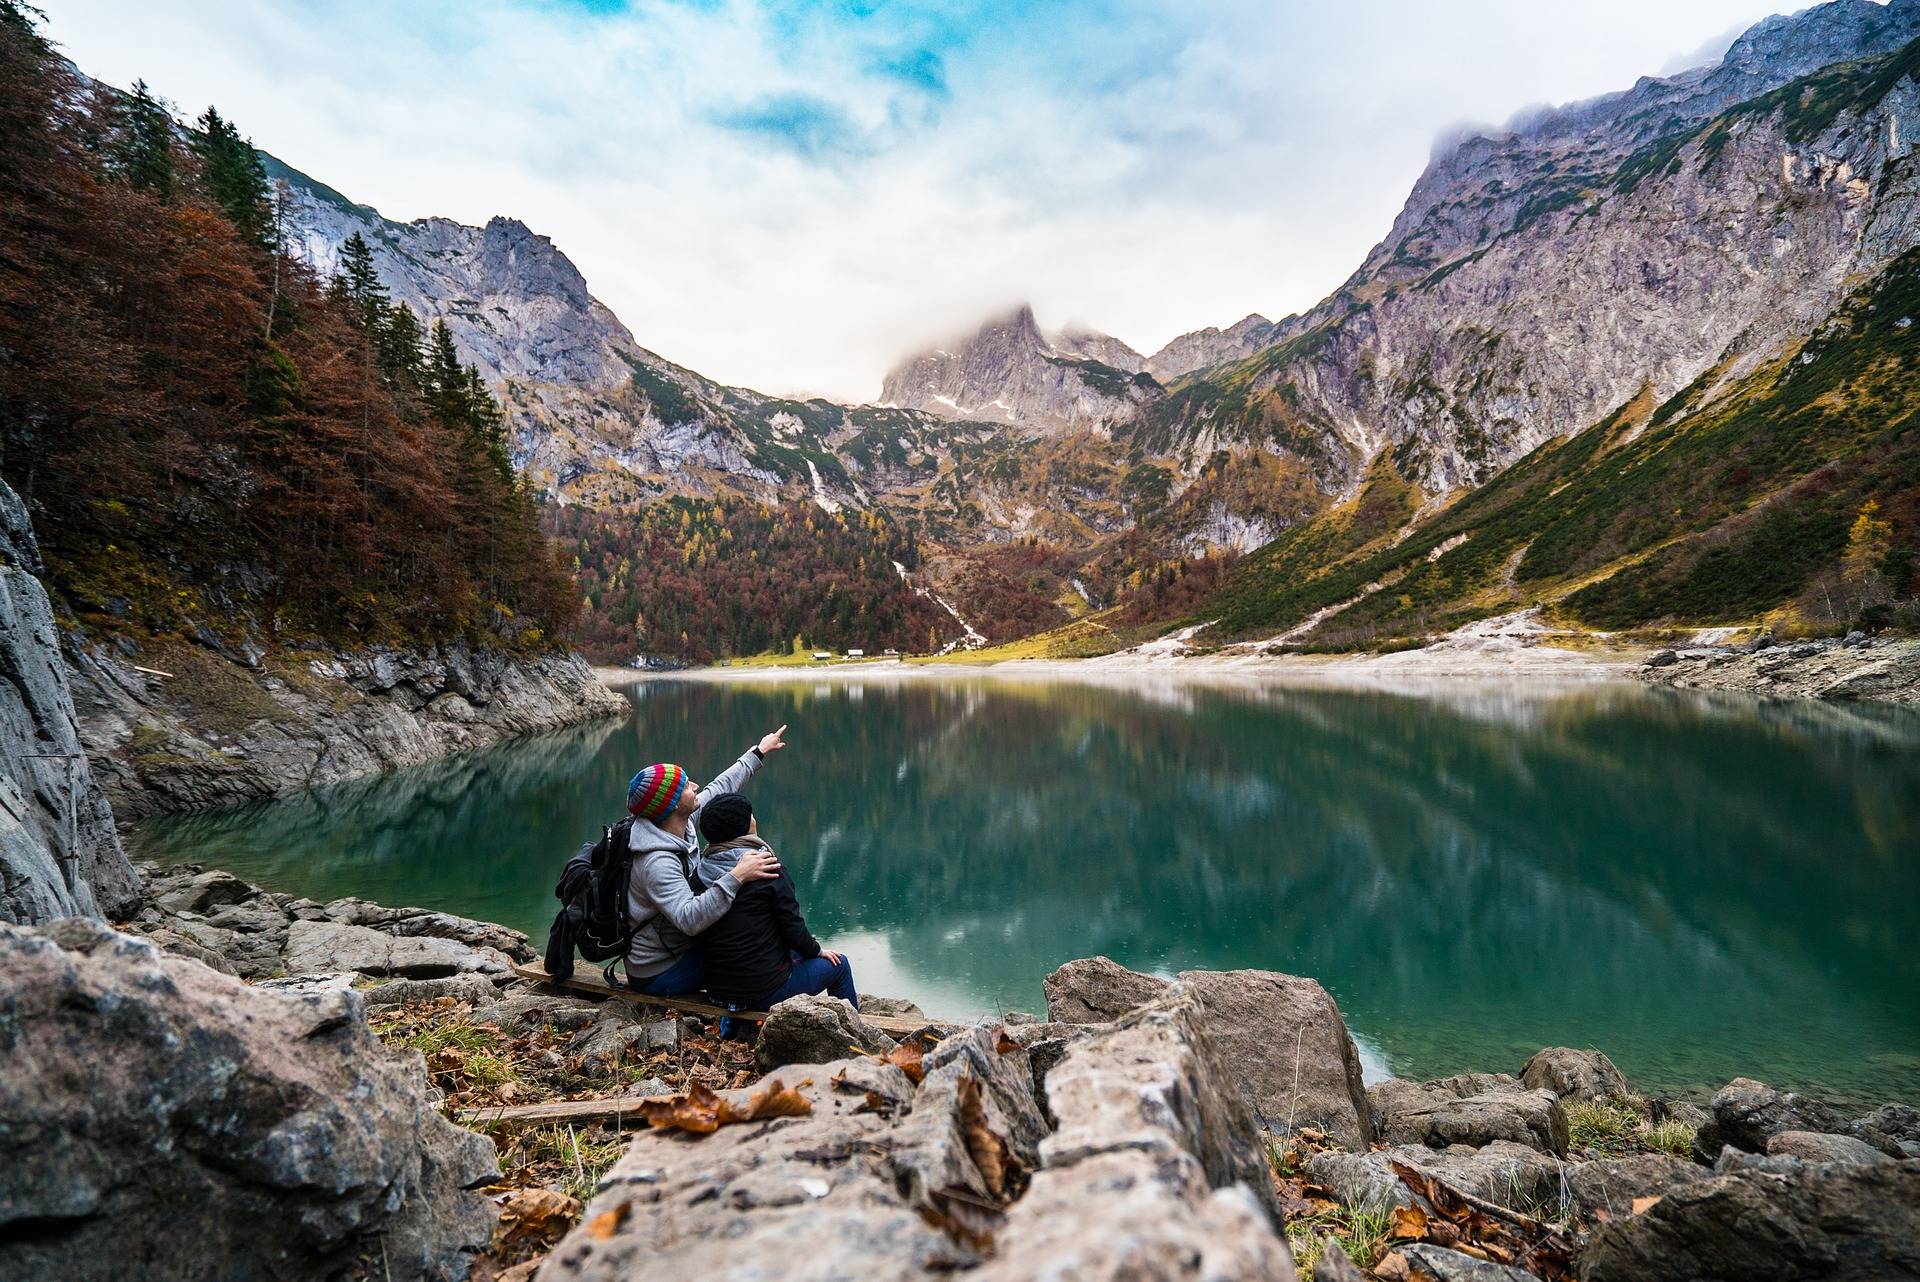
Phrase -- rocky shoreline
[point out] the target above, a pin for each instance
(188, 728)
(1838, 669)
(1214, 1125)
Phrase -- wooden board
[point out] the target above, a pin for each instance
(624, 1108)
(589, 982)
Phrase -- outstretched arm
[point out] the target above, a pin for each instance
(735, 776)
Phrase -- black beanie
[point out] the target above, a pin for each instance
(725, 817)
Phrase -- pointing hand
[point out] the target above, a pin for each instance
(773, 741)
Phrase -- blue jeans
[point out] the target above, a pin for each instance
(818, 975)
(687, 975)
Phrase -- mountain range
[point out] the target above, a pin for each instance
(1681, 236)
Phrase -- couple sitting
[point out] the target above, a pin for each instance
(724, 920)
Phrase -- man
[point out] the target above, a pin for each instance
(666, 912)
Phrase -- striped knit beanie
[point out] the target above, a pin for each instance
(655, 791)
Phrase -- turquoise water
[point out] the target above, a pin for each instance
(1703, 889)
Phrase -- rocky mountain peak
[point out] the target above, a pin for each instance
(1011, 372)
(1211, 346)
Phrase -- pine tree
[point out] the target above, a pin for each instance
(236, 178)
(140, 153)
(444, 382)
(361, 283)
(397, 347)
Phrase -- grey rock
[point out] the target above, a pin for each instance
(1831, 1221)
(330, 945)
(1746, 1113)
(165, 1118)
(605, 1046)
(1474, 1109)
(890, 1007)
(477, 990)
(201, 892)
(339, 981)
(1154, 1170)
(1442, 1265)
(532, 1008)
(1662, 659)
(1894, 1129)
(1804, 650)
(1335, 1265)
(1274, 1030)
(813, 1198)
(1095, 990)
(1611, 1184)
(815, 1030)
(1512, 1175)
(1812, 1146)
(1573, 1074)
(1854, 639)
(421, 922)
(60, 855)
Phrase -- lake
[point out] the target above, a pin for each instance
(1702, 888)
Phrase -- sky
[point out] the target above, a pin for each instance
(792, 196)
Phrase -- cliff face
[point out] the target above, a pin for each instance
(59, 853)
(214, 731)
(1540, 278)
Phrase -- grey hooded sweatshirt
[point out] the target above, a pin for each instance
(666, 913)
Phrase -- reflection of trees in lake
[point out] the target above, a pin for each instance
(1473, 876)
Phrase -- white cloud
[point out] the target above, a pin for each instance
(789, 196)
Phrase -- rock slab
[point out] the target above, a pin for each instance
(160, 1120)
(60, 855)
(1282, 1035)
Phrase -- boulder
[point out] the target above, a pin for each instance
(475, 990)
(605, 1046)
(890, 1007)
(1473, 1109)
(815, 1030)
(1512, 1175)
(1573, 1074)
(412, 922)
(1431, 1263)
(1095, 990)
(332, 945)
(1146, 1177)
(162, 1120)
(814, 1198)
(1812, 1146)
(1282, 1035)
(1746, 1113)
(1662, 659)
(1894, 1129)
(1611, 1184)
(192, 891)
(1831, 1221)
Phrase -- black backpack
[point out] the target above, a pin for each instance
(593, 903)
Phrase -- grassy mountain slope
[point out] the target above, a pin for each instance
(1722, 505)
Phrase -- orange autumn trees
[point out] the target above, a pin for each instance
(203, 431)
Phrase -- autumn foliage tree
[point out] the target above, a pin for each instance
(697, 580)
(186, 459)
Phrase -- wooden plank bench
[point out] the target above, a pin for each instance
(619, 1110)
(589, 982)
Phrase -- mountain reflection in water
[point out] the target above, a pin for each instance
(1701, 888)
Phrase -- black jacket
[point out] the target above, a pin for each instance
(746, 951)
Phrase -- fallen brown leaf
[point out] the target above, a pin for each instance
(535, 1216)
(1645, 1203)
(1392, 1267)
(1409, 1222)
(907, 1057)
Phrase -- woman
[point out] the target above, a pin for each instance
(761, 952)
